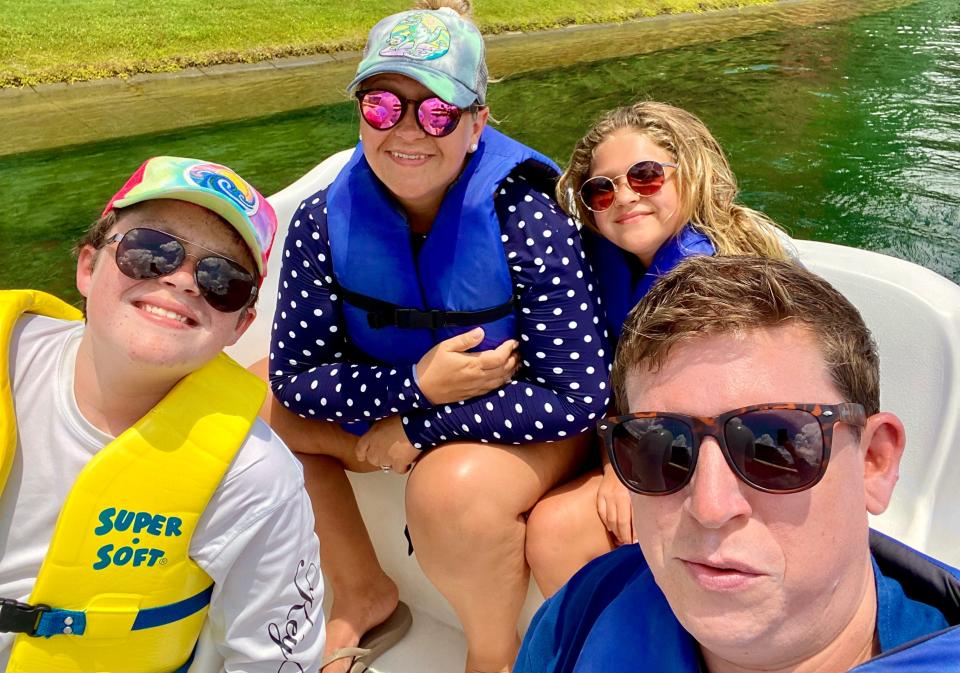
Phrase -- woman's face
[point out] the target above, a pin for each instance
(417, 168)
(638, 224)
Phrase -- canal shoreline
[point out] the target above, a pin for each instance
(56, 115)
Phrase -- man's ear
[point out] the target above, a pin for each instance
(86, 260)
(882, 440)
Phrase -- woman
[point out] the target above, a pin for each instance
(652, 187)
(435, 310)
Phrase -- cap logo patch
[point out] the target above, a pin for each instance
(422, 37)
(222, 180)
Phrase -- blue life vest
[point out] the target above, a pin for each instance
(461, 266)
(612, 616)
(622, 278)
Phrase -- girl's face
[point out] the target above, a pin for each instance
(638, 224)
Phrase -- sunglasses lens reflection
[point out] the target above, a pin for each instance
(598, 193)
(146, 253)
(225, 285)
(381, 109)
(645, 177)
(654, 455)
(776, 449)
(437, 117)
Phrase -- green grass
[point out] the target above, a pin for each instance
(44, 41)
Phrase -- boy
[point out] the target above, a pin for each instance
(148, 520)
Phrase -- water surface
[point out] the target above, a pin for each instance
(845, 131)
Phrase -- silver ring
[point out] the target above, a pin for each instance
(386, 468)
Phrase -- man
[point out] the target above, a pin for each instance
(148, 519)
(754, 446)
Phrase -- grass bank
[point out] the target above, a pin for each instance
(75, 40)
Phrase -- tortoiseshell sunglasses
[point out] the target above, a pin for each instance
(775, 448)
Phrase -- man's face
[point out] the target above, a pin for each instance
(162, 322)
(753, 575)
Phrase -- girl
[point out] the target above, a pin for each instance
(651, 186)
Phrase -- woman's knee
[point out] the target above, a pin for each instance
(563, 522)
(551, 528)
(458, 498)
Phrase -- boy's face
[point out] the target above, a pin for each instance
(161, 322)
(754, 576)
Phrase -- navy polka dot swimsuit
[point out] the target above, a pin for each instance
(561, 387)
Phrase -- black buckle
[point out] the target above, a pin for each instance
(412, 318)
(17, 617)
(407, 318)
(377, 319)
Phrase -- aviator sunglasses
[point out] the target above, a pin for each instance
(384, 109)
(147, 253)
(644, 178)
(775, 448)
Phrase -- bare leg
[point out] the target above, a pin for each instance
(466, 506)
(564, 532)
(363, 595)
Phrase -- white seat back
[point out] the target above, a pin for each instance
(914, 315)
(255, 344)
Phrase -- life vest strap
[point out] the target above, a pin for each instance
(42, 620)
(172, 612)
(384, 314)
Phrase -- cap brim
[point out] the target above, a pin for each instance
(449, 89)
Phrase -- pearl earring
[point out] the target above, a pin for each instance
(473, 147)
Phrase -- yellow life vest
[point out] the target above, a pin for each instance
(125, 594)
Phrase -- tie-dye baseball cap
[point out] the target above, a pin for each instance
(436, 47)
(211, 186)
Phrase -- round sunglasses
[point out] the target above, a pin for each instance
(147, 253)
(774, 448)
(644, 178)
(383, 110)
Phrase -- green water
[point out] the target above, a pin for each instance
(846, 132)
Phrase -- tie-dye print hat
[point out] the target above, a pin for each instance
(211, 186)
(436, 47)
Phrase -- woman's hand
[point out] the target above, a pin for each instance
(385, 444)
(613, 506)
(447, 373)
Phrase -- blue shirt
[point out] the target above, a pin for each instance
(899, 618)
(611, 616)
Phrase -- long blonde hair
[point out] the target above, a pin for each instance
(705, 183)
